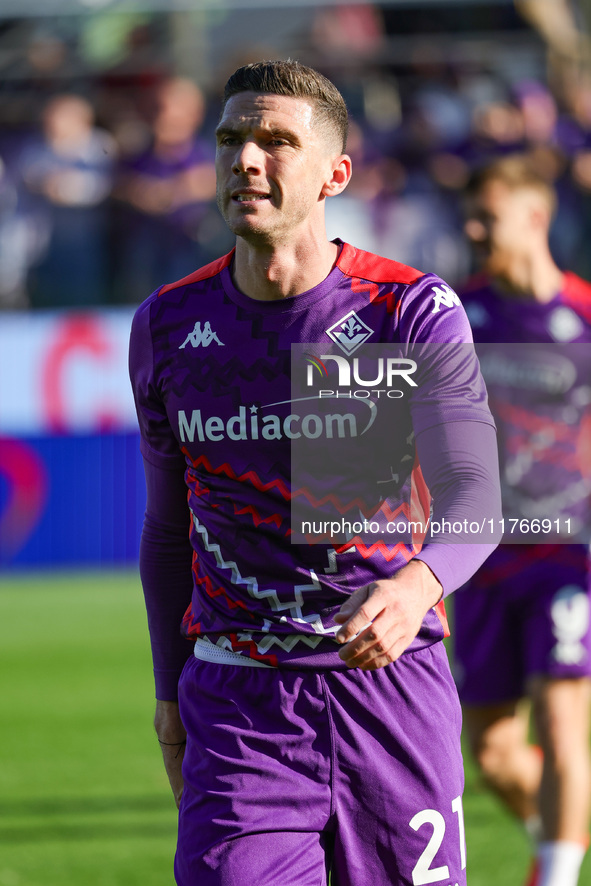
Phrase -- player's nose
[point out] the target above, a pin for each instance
(248, 158)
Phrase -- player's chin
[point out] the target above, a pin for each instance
(250, 216)
(250, 228)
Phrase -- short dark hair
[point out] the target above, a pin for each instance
(516, 172)
(298, 81)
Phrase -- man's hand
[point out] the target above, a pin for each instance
(380, 620)
(172, 737)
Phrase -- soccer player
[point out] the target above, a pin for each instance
(312, 727)
(522, 627)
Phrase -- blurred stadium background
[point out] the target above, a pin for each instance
(107, 109)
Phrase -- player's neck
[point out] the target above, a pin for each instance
(535, 277)
(273, 272)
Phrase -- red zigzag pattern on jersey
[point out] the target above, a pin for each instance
(202, 491)
(255, 480)
(256, 517)
(189, 627)
(253, 652)
(530, 423)
(219, 591)
(385, 510)
(387, 552)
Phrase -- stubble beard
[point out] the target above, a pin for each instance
(272, 233)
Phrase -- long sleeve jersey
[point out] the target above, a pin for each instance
(221, 413)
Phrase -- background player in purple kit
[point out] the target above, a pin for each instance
(317, 724)
(522, 626)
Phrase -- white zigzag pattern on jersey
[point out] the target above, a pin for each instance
(271, 640)
(294, 607)
(332, 569)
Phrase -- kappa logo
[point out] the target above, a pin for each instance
(201, 338)
(349, 332)
(444, 295)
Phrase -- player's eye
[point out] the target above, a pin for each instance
(278, 141)
(228, 140)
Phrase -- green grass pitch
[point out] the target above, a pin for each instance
(83, 795)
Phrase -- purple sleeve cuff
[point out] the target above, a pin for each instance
(167, 682)
(453, 564)
(459, 461)
(165, 568)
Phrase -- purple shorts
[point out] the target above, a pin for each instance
(524, 614)
(292, 775)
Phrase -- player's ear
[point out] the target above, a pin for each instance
(340, 176)
(475, 230)
(540, 216)
(539, 211)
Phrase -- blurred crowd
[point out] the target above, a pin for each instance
(92, 215)
(109, 190)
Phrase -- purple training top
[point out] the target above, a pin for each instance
(540, 396)
(204, 360)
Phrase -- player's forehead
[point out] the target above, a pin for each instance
(256, 110)
(493, 198)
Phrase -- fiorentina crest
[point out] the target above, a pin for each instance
(349, 332)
